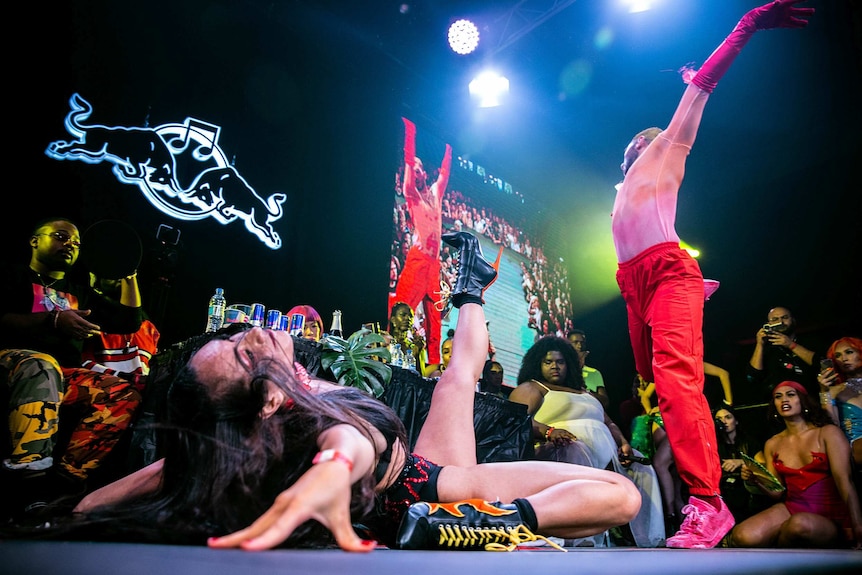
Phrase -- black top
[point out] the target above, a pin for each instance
(23, 292)
(781, 364)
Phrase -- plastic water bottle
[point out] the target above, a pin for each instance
(397, 355)
(409, 360)
(215, 314)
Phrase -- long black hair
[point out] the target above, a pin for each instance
(225, 464)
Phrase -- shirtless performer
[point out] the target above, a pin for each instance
(663, 286)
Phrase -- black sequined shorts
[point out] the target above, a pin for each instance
(417, 482)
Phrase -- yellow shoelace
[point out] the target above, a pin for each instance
(489, 538)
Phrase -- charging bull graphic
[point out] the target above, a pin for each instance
(150, 158)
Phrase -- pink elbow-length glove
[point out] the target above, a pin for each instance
(409, 142)
(777, 14)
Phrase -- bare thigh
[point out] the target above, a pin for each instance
(761, 530)
(506, 481)
(448, 435)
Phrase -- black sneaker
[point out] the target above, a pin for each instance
(40, 493)
(472, 524)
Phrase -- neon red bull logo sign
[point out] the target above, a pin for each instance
(149, 157)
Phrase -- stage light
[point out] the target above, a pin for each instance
(636, 6)
(692, 251)
(489, 88)
(463, 36)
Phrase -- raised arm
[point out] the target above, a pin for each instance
(723, 376)
(777, 14)
(409, 158)
(443, 177)
(130, 293)
(686, 120)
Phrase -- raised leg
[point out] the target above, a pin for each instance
(448, 436)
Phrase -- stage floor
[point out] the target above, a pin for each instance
(66, 558)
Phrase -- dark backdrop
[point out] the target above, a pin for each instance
(309, 96)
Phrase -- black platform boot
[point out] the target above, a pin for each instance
(475, 274)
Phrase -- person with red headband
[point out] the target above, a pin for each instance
(819, 505)
(664, 288)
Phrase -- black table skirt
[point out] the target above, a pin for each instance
(503, 430)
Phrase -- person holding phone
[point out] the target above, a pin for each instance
(840, 382)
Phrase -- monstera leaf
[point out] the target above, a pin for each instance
(356, 361)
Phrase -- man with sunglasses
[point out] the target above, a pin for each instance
(45, 318)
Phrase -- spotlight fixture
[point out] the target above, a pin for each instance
(489, 88)
(463, 36)
(636, 6)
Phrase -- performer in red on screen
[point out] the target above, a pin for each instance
(419, 281)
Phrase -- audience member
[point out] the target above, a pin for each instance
(841, 392)
(45, 318)
(811, 458)
(403, 332)
(312, 327)
(663, 285)
(251, 430)
(126, 355)
(437, 370)
(630, 409)
(593, 379)
(778, 356)
(491, 381)
(732, 443)
(662, 458)
(552, 388)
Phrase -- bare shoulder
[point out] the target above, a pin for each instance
(831, 432)
(773, 442)
(526, 390)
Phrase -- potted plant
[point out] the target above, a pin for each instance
(358, 360)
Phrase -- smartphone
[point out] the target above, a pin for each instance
(826, 364)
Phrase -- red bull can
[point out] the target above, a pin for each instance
(273, 319)
(257, 313)
(283, 324)
(297, 324)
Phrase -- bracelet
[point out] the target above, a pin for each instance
(56, 313)
(792, 346)
(548, 433)
(332, 455)
(826, 397)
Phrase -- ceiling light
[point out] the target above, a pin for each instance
(463, 36)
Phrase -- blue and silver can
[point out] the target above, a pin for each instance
(283, 324)
(297, 324)
(257, 313)
(273, 319)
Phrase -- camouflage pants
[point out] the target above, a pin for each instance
(38, 386)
